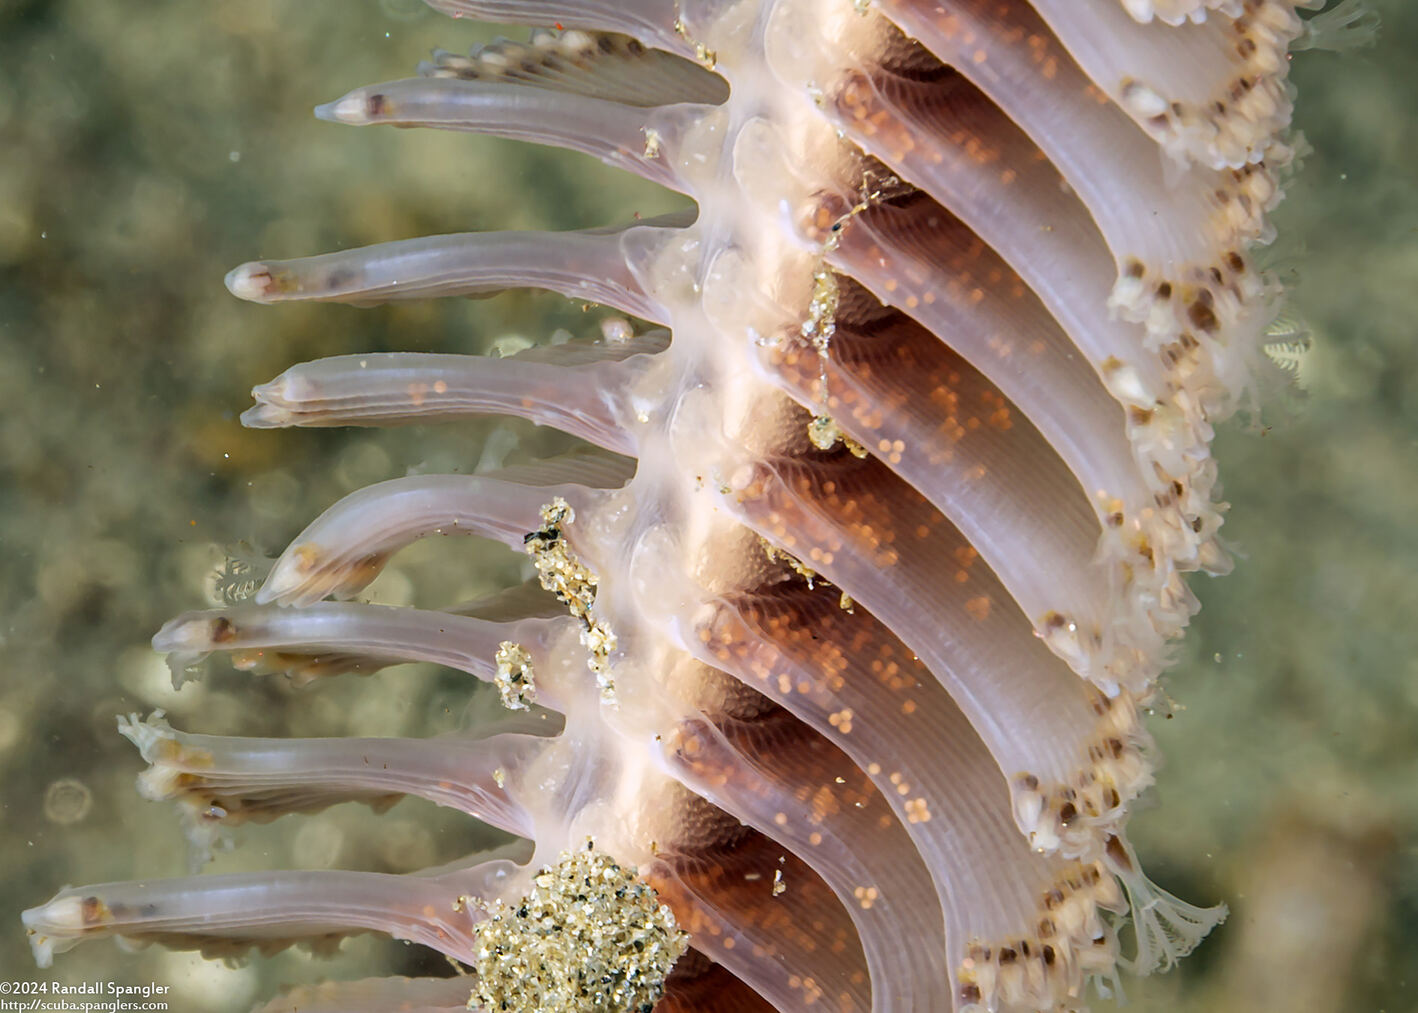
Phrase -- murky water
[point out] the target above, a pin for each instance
(146, 148)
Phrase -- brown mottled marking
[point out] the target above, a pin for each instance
(94, 912)
(1118, 854)
(1201, 315)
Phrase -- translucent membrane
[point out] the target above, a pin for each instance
(324, 638)
(345, 547)
(1155, 488)
(226, 915)
(584, 399)
(847, 676)
(228, 781)
(922, 260)
(378, 995)
(941, 133)
(1169, 225)
(527, 600)
(915, 256)
(588, 265)
(797, 949)
(934, 420)
(1213, 92)
(614, 133)
(783, 779)
(697, 985)
(584, 466)
(947, 138)
(888, 549)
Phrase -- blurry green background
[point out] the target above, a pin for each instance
(147, 147)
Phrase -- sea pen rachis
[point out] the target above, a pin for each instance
(855, 607)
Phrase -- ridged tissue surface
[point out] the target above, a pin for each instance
(831, 693)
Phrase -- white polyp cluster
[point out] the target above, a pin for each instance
(169, 777)
(158, 745)
(1048, 963)
(1179, 12)
(1240, 120)
(1075, 819)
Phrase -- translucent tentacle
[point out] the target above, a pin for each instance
(588, 265)
(343, 549)
(602, 65)
(586, 400)
(226, 781)
(1165, 928)
(228, 914)
(624, 137)
(328, 638)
